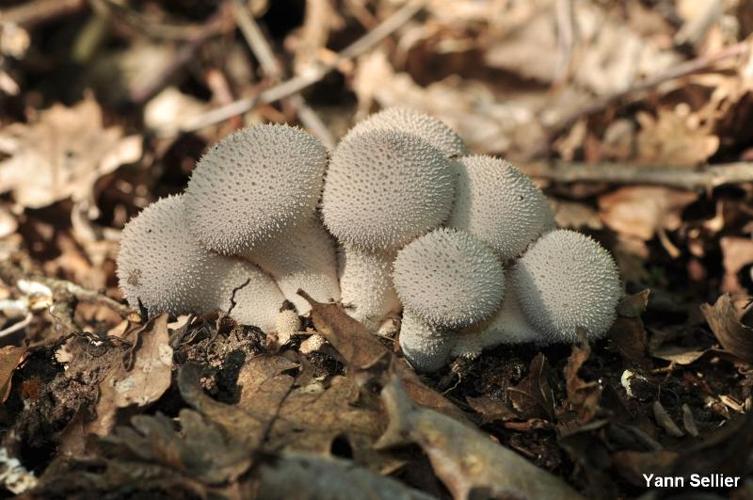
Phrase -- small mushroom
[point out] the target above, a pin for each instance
(410, 121)
(449, 279)
(255, 194)
(165, 268)
(427, 348)
(567, 280)
(499, 205)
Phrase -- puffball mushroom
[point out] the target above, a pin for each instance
(567, 280)
(426, 347)
(366, 284)
(385, 188)
(410, 121)
(164, 267)
(449, 279)
(499, 205)
(255, 194)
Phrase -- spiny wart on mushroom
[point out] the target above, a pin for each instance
(400, 217)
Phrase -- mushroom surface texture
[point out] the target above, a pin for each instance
(385, 188)
(414, 122)
(507, 326)
(426, 347)
(254, 194)
(253, 185)
(366, 285)
(567, 280)
(448, 278)
(169, 271)
(498, 204)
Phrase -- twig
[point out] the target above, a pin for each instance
(300, 82)
(19, 325)
(233, 303)
(38, 12)
(683, 69)
(272, 70)
(620, 173)
(566, 37)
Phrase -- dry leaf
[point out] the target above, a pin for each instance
(61, 154)
(674, 138)
(735, 337)
(641, 211)
(582, 397)
(141, 378)
(533, 396)
(469, 463)
(737, 253)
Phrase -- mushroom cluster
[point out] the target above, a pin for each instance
(399, 217)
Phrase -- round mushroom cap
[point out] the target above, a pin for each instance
(385, 188)
(254, 184)
(426, 347)
(567, 280)
(448, 278)
(160, 263)
(498, 204)
(411, 121)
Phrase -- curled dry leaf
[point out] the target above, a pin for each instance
(674, 138)
(467, 462)
(734, 336)
(10, 358)
(582, 397)
(61, 154)
(533, 396)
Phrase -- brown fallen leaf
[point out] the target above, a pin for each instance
(734, 336)
(61, 154)
(533, 398)
(675, 137)
(359, 348)
(141, 378)
(469, 463)
(628, 334)
(491, 410)
(642, 211)
(582, 397)
(10, 358)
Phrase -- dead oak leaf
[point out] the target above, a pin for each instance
(675, 137)
(61, 154)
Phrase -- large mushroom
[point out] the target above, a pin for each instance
(255, 194)
(165, 269)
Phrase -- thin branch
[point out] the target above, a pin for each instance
(683, 69)
(620, 173)
(38, 12)
(19, 325)
(300, 82)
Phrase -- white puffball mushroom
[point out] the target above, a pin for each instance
(254, 184)
(159, 263)
(507, 326)
(498, 204)
(162, 265)
(427, 348)
(255, 194)
(567, 280)
(414, 122)
(385, 188)
(449, 278)
(366, 285)
(287, 324)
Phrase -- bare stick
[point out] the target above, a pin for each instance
(37, 12)
(300, 82)
(20, 325)
(620, 173)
